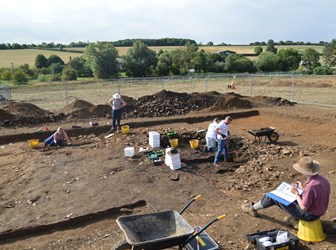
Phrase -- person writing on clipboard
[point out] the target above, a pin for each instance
(310, 205)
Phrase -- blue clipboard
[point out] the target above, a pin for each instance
(277, 198)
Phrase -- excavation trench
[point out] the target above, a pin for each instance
(98, 130)
(71, 223)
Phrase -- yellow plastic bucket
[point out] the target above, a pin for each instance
(194, 143)
(33, 143)
(125, 129)
(311, 231)
(173, 143)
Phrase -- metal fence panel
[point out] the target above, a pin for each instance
(5, 94)
(319, 90)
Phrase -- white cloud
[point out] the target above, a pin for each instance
(229, 21)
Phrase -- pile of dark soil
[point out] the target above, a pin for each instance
(162, 104)
(263, 101)
(17, 113)
(78, 108)
(25, 109)
(5, 115)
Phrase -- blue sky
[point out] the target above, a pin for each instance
(228, 21)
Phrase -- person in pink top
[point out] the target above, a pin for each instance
(310, 205)
(58, 138)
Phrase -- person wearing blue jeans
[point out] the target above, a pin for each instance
(222, 131)
(116, 117)
(58, 138)
(116, 103)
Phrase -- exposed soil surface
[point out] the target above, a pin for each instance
(70, 197)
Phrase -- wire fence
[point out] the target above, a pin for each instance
(307, 89)
(5, 94)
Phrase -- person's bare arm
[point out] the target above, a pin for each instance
(110, 102)
(217, 130)
(295, 191)
(66, 137)
(55, 137)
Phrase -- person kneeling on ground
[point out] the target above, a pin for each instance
(211, 136)
(58, 138)
(309, 206)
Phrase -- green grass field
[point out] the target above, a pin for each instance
(20, 57)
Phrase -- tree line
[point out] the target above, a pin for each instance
(101, 60)
(119, 43)
(130, 42)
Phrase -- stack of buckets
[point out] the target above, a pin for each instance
(154, 139)
(172, 160)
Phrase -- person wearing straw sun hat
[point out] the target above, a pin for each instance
(116, 103)
(310, 205)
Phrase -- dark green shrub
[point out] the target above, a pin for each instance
(20, 77)
(42, 78)
(55, 77)
(69, 74)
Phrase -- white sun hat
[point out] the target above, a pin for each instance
(116, 96)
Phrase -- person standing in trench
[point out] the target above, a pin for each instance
(222, 131)
(117, 104)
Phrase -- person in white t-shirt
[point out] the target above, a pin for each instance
(211, 136)
(222, 131)
(117, 104)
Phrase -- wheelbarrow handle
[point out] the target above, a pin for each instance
(200, 231)
(195, 198)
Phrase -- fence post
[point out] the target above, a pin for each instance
(118, 86)
(293, 80)
(206, 83)
(66, 92)
(250, 79)
(162, 83)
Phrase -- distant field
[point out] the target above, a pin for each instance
(240, 49)
(20, 57)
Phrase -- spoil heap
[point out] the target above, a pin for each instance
(162, 104)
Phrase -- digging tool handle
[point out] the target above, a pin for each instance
(200, 231)
(189, 202)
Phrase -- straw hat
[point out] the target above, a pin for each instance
(307, 166)
(116, 96)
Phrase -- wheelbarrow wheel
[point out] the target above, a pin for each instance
(273, 137)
